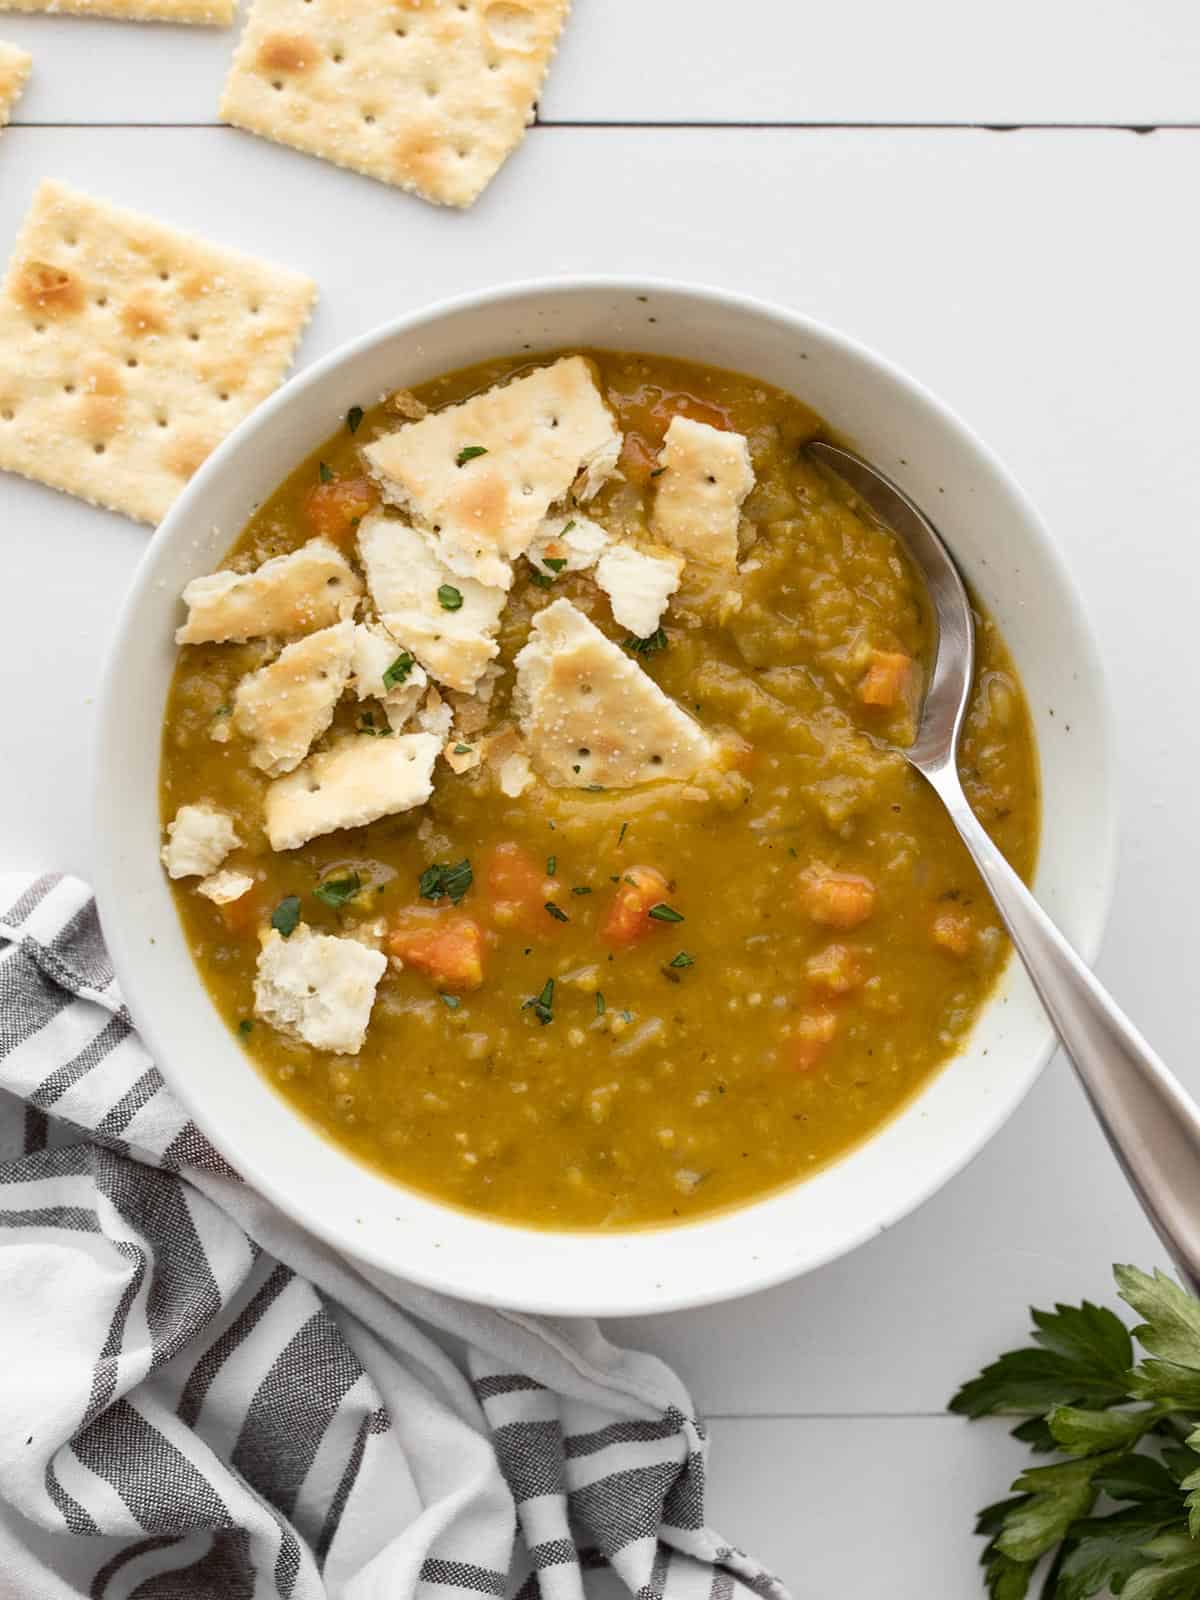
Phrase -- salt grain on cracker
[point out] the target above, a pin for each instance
(128, 351)
(14, 72)
(430, 95)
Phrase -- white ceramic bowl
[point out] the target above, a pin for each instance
(1005, 551)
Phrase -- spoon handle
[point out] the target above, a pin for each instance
(1150, 1120)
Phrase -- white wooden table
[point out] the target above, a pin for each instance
(1003, 200)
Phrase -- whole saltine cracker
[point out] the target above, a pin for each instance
(216, 13)
(14, 70)
(128, 351)
(430, 95)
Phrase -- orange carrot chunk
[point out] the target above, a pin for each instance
(517, 886)
(444, 946)
(887, 679)
(629, 919)
(837, 969)
(953, 931)
(334, 509)
(836, 899)
(815, 1032)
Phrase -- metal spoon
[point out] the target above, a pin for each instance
(1151, 1122)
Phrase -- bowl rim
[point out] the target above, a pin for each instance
(751, 1276)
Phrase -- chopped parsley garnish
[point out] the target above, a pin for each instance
(449, 598)
(557, 912)
(664, 913)
(567, 526)
(325, 471)
(336, 891)
(599, 1003)
(581, 888)
(286, 916)
(462, 749)
(245, 1026)
(594, 788)
(682, 960)
(657, 472)
(542, 1005)
(468, 453)
(551, 866)
(626, 1016)
(647, 646)
(623, 832)
(451, 1002)
(543, 580)
(353, 417)
(398, 671)
(366, 724)
(443, 880)
(555, 563)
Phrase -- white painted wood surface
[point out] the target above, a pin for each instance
(1128, 62)
(1043, 282)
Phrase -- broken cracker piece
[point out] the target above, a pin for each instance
(376, 655)
(307, 589)
(353, 783)
(449, 623)
(592, 716)
(14, 74)
(317, 987)
(283, 707)
(429, 95)
(198, 840)
(128, 350)
(480, 477)
(638, 586)
(706, 474)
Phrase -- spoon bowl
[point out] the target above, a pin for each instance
(1149, 1119)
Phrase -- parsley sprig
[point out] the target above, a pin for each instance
(1121, 1512)
(444, 880)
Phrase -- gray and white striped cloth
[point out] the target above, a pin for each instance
(198, 1401)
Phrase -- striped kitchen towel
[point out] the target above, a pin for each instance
(199, 1401)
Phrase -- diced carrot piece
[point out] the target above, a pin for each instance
(244, 913)
(517, 887)
(629, 916)
(837, 969)
(836, 899)
(887, 679)
(953, 931)
(443, 945)
(335, 509)
(815, 1032)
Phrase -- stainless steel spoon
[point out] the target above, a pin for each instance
(1151, 1122)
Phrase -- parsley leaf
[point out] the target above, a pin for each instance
(1079, 1396)
(462, 749)
(599, 1003)
(647, 646)
(664, 913)
(555, 563)
(450, 1001)
(336, 891)
(366, 724)
(543, 580)
(557, 912)
(286, 916)
(580, 888)
(542, 1004)
(682, 960)
(449, 598)
(551, 866)
(468, 453)
(445, 881)
(245, 1026)
(353, 417)
(325, 472)
(398, 671)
